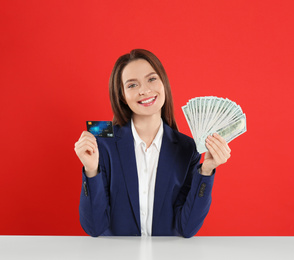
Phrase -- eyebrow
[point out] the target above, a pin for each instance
(149, 74)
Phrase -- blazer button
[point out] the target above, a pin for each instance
(202, 189)
(85, 189)
(203, 185)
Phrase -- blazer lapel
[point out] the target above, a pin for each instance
(125, 146)
(167, 156)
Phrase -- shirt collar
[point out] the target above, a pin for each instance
(157, 140)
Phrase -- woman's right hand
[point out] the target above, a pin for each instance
(86, 149)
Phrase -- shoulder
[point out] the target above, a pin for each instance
(186, 141)
(183, 140)
(183, 137)
(184, 145)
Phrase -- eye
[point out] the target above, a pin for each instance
(152, 79)
(131, 85)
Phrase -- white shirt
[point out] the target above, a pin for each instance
(147, 161)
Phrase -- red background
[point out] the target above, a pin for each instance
(56, 59)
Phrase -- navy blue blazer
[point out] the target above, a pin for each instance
(109, 202)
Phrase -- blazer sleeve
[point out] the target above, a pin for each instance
(94, 202)
(194, 199)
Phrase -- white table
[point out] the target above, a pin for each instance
(153, 248)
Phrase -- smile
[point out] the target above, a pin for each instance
(148, 101)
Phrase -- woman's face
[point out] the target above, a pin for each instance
(143, 88)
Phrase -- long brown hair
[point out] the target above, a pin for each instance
(121, 111)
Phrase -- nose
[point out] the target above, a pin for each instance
(144, 89)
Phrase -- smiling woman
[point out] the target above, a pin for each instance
(144, 94)
(147, 179)
(117, 85)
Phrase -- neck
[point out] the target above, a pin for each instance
(147, 127)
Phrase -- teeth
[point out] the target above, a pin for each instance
(148, 100)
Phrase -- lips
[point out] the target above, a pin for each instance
(147, 101)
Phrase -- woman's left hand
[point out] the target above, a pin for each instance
(217, 154)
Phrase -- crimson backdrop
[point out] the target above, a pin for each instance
(56, 59)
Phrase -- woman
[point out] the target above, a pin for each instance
(147, 180)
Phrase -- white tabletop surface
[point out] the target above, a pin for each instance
(137, 248)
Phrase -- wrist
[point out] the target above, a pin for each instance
(204, 171)
(90, 173)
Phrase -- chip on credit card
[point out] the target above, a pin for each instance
(100, 128)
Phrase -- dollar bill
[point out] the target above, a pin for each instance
(208, 115)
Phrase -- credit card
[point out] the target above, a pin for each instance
(100, 128)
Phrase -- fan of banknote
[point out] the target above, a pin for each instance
(208, 115)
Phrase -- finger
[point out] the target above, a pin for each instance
(86, 143)
(84, 149)
(213, 153)
(89, 139)
(87, 133)
(217, 145)
(222, 140)
(219, 153)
